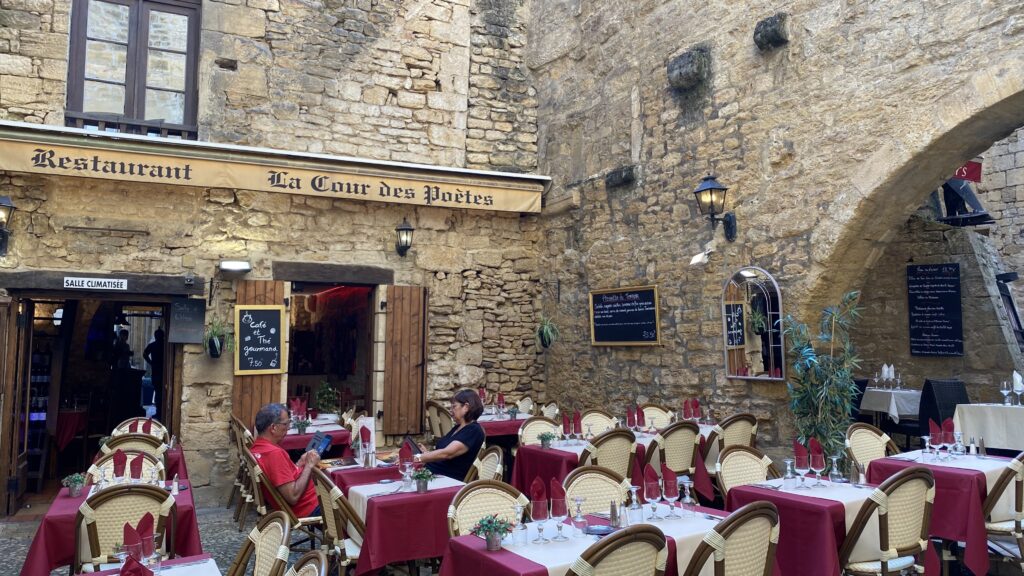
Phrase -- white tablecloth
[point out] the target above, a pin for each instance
(1001, 426)
(314, 428)
(895, 403)
(358, 495)
(500, 417)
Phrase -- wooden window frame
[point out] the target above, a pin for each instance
(133, 121)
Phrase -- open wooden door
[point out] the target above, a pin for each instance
(405, 345)
(252, 392)
(16, 336)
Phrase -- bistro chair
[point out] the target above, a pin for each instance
(100, 522)
(526, 405)
(481, 498)
(678, 446)
(597, 421)
(157, 429)
(104, 467)
(268, 542)
(439, 419)
(487, 466)
(639, 550)
(657, 415)
(865, 443)
(253, 496)
(308, 525)
(1004, 511)
(742, 465)
(742, 544)
(241, 438)
(340, 520)
(736, 430)
(597, 485)
(901, 509)
(549, 410)
(137, 441)
(535, 426)
(614, 450)
(312, 563)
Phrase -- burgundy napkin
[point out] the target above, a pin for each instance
(670, 484)
(640, 418)
(815, 446)
(558, 506)
(577, 423)
(538, 498)
(131, 538)
(135, 466)
(145, 532)
(566, 425)
(293, 404)
(701, 478)
(147, 426)
(120, 461)
(696, 408)
(405, 452)
(132, 567)
(798, 450)
(650, 476)
(501, 400)
(687, 411)
(630, 417)
(947, 426)
(364, 434)
(134, 426)
(934, 429)
(483, 394)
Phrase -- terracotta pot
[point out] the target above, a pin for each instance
(493, 541)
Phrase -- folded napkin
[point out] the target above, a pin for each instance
(133, 427)
(701, 478)
(815, 447)
(687, 410)
(799, 452)
(934, 429)
(405, 452)
(364, 434)
(147, 426)
(145, 531)
(558, 505)
(501, 400)
(670, 484)
(1018, 383)
(132, 567)
(135, 466)
(640, 419)
(538, 498)
(577, 422)
(630, 417)
(120, 461)
(297, 405)
(696, 408)
(651, 489)
(947, 426)
(566, 425)
(132, 541)
(483, 394)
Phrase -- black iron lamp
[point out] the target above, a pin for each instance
(6, 211)
(711, 202)
(404, 242)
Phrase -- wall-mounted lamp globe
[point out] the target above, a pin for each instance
(6, 212)
(404, 242)
(710, 196)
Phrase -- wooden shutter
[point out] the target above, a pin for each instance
(252, 392)
(405, 344)
(15, 341)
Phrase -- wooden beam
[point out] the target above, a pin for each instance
(332, 273)
(53, 280)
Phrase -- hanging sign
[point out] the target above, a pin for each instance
(187, 321)
(73, 283)
(969, 171)
(259, 339)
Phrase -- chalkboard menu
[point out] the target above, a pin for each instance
(259, 339)
(734, 325)
(186, 324)
(933, 305)
(624, 317)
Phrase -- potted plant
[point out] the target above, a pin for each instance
(545, 439)
(492, 529)
(821, 387)
(547, 332)
(74, 482)
(301, 424)
(216, 340)
(422, 476)
(326, 399)
(758, 321)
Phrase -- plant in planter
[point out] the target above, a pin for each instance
(326, 398)
(492, 529)
(422, 476)
(547, 332)
(74, 483)
(545, 439)
(216, 340)
(821, 387)
(758, 321)
(301, 424)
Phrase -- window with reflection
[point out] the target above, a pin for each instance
(751, 319)
(133, 66)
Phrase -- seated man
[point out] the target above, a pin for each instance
(292, 480)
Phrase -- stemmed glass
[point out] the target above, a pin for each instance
(539, 513)
(407, 475)
(899, 381)
(652, 491)
(636, 513)
(925, 446)
(559, 512)
(876, 379)
(689, 505)
(1004, 389)
(120, 553)
(579, 521)
(936, 444)
(958, 444)
(947, 443)
(590, 433)
(153, 560)
(669, 494)
(818, 466)
(802, 465)
(835, 475)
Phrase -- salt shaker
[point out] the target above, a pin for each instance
(613, 514)
(973, 449)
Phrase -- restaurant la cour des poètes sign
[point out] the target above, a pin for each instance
(448, 189)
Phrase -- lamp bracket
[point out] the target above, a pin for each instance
(729, 219)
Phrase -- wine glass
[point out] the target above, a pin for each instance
(652, 491)
(689, 504)
(120, 553)
(802, 465)
(590, 433)
(925, 447)
(818, 466)
(835, 475)
(947, 443)
(876, 379)
(1004, 389)
(936, 444)
(958, 444)
(539, 514)
(153, 560)
(559, 512)
(579, 521)
(899, 381)
(670, 494)
(636, 513)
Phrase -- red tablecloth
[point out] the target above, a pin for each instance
(402, 527)
(174, 463)
(957, 511)
(299, 441)
(54, 543)
(165, 564)
(70, 423)
(501, 427)
(534, 461)
(345, 477)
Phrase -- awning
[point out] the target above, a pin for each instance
(126, 157)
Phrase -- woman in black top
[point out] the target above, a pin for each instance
(457, 450)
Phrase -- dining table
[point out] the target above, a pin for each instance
(402, 525)
(199, 565)
(501, 424)
(174, 463)
(53, 545)
(340, 436)
(344, 477)
(961, 486)
(1000, 425)
(896, 403)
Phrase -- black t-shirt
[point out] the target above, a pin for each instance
(471, 435)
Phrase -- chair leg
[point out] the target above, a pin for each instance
(244, 509)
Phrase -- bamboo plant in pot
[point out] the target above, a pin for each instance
(217, 340)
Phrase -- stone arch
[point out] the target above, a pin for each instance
(887, 187)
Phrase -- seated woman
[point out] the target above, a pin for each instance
(457, 450)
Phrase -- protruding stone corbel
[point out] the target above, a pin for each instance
(772, 32)
(621, 176)
(690, 69)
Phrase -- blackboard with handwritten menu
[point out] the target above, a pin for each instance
(259, 339)
(934, 310)
(187, 321)
(625, 317)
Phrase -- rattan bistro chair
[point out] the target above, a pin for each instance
(742, 545)
(736, 430)
(241, 438)
(156, 430)
(639, 550)
(865, 443)
(309, 525)
(901, 507)
(526, 405)
(1004, 511)
(439, 419)
(598, 421)
(104, 466)
(533, 427)
(597, 485)
(549, 410)
(657, 415)
(741, 465)
(343, 528)
(487, 465)
(678, 446)
(136, 441)
(100, 521)
(253, 496)
(614, 450)
(268, 541)
(478, 499)
(312, 563)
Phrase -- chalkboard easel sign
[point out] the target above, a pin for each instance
(259, 340)
(934, 310)
(187, 322)
(625, 317)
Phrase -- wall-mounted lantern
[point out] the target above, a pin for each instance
(6, 212)
(710, 196)
(404, 232)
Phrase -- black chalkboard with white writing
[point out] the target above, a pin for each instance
(187, 320)
(734, 335)
(935, 314)
(259, 339)
(625, 317)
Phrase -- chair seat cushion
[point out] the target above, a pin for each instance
(895, 564)
(1005, 527)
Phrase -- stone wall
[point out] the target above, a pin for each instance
(1001, 192)
(33, 60)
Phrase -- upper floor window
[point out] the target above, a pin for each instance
(133, 66)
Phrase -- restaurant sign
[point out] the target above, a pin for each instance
(250, 169)
(73, 283)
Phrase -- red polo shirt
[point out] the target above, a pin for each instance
(279, 469)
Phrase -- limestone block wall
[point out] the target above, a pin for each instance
(1001, 192)
(33, 60)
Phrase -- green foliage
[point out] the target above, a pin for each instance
(76, 479)
(821, 387)
(326, 397)
(546, 436)
(758, 321)
(218, 330)
(491, 524)
(547, 332)
(422, 474)
(301, 424)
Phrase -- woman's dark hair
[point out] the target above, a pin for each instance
(471, 399)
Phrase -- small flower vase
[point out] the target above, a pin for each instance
(301, 428)
(421, 485)
(75, 490)
(545, 444)
(493, 541)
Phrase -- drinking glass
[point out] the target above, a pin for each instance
(1004, 389)
(539, 513)
(789, 479)
(407, 476)
(590, 433)
(153, 560)
(670, 494)
(936, 444)
(652, 491)
(120, 553)
(835, 475)
(958, 444)
(818, 466)
(899, 382)
(876, 379)
(579, 521)
(559, 512)
(947, 443)
(636, 512)
(925, 447)
(689, 504)
(802, 465)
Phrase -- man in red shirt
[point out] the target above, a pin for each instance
(292, 480)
